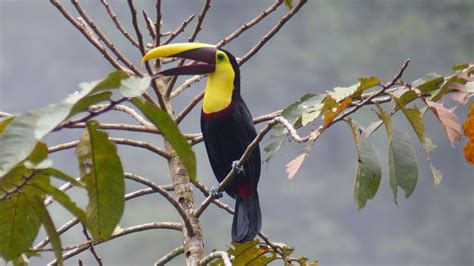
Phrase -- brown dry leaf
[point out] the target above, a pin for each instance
(331, 114)
(293, 166)
(448, 120)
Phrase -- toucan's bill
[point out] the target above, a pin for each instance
(200, 52)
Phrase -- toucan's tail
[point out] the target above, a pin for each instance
(247, 218)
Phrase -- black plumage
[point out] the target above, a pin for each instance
(227, 134)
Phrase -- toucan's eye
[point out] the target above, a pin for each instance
(220, 56)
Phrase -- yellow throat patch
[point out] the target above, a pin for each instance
(220, 85)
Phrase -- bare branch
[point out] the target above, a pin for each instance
(118, 24)
(272, 32)
(182, 213)
(250, 23)
(171, 255)
(188, 108)
(179, 30)
(216, 254)
(122, 141)
(123, 108)
(123, 232)
(91, 114)
(125, 127)
(91, 246)
(201, 17)
(188, 83)
(82, 27)
(102, 37)
(150, 26)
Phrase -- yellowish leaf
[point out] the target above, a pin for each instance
(331, 114)
(293, 166)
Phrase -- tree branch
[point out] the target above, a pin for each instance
(272, 32)
(91, 246)
(123, 232)
(216, 254)
(182, 213)
(250, 23)
(102, 37)
(197, 28)
(122, 141)
(82, 27)
(171, 255)
(179, 30)
(118, 24)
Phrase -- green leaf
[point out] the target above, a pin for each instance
(19, 226)
(112, 81)
(63, 199)
(289, 4)
(402, 161)
(134, 86)
(61, 175)
(426, 84)
(460, 67)
(403, 164)
(101, 171)
(171, 132)
(368, 171)
(4, 123)
(299, 113)
(19, 139)
(37, 203)
(415, 118)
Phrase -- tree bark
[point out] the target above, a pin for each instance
(193, 244)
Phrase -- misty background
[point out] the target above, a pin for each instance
(328, 44)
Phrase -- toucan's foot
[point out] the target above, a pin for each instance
(216, 194)
(238, 169)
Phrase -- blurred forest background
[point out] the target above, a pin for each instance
(330, 43)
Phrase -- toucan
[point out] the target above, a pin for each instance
(227, 128)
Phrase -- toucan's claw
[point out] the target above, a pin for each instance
(237, 168)
(216, 194)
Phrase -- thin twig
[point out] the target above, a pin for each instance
(91, 114)
(133, 11)
(122, 141)
(150, 26)
(123, 108)
(123, 232)
(272, 32)
(102, 37)
(192, 38)
(125, 127)
(179, 30)
(216, 254)
(118, 24)
(91, 246)
(82, 27)
(250, 23)
(164, 193)
(75, 221)
(171, 255)
(197, 28)
(188, 108)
